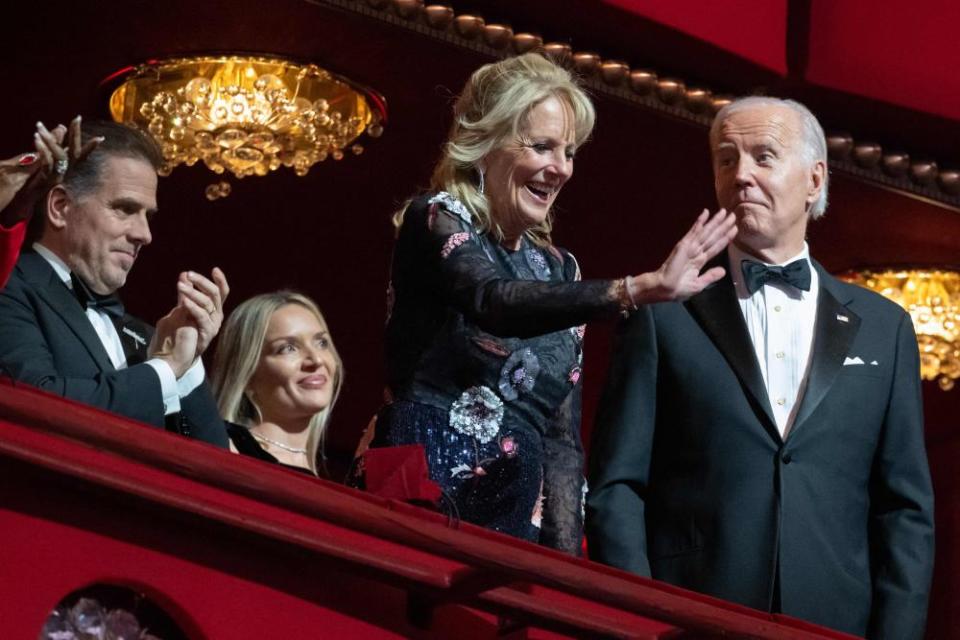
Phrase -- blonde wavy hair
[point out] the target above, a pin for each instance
(492, 111)
(238, 355)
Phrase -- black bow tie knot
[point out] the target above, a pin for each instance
(756, 274)
(109, 303)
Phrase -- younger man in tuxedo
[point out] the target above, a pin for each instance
(63, 329)
(762, 442)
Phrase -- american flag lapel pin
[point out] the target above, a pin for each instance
(842, 318)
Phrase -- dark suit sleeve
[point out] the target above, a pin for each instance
(563, 478)
(200, 413)
(901, 513)
(621, 449)
(27, 356)
(448, 252)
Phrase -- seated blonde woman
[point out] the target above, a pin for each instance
(276, 377)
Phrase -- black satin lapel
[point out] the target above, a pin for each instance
(718, 313)
(834, 332)
(61, 299)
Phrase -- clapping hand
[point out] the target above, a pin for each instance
(175, 341)
(203, 300)
(26, 176)
(185, 333)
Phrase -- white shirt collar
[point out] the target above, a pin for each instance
(59, 266)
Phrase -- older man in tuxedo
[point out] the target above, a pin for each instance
(762, 442)
(62, 327)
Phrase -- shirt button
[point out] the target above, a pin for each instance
(780, 355)
(781, 401)
(777, 308)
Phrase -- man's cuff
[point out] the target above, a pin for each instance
(192, 379)
(169, 387)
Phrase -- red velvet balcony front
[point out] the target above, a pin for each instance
(233, 548)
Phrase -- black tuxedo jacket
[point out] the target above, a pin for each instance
(691, 482)
(46, 340)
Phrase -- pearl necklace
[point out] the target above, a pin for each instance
(279, 445)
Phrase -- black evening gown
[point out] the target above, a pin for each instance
(483, 349)
(247, 445)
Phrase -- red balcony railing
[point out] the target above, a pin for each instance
(234, 548)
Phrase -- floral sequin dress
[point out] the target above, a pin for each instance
(484, 348)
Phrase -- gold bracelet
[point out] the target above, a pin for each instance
(624, 297)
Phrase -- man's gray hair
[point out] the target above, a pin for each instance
(814, 140)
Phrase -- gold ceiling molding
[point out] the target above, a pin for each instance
(865, 160)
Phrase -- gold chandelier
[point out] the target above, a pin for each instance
(932, 297)
(246, 115)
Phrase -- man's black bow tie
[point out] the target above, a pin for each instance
(756, 274)
(109, 304)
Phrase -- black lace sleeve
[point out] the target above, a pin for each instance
(562, 524)
(446, 251)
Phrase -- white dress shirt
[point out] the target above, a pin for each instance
(171, 388)
(780, 320)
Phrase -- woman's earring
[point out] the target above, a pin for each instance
(480, 185)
